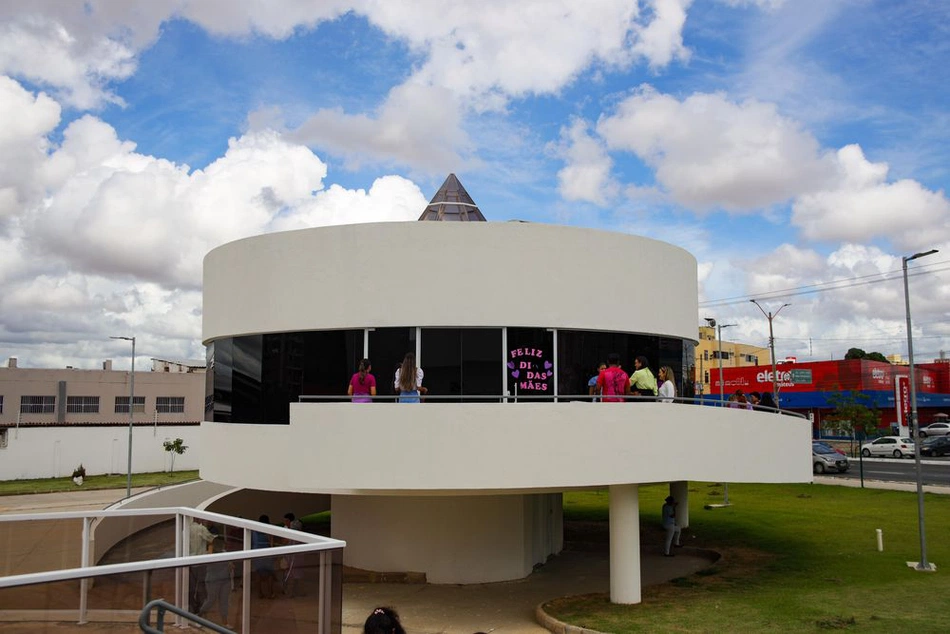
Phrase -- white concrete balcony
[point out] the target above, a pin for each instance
(443, 448)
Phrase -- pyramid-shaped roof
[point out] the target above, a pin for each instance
(452, 203)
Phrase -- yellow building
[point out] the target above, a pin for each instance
(734, 355)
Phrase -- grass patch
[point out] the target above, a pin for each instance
(795, 558)
(56, 485)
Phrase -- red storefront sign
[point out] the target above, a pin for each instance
(825, 376)
(902, 398)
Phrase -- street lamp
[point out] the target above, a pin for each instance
(128, 479)
(712, 323)
(770, 316)
(923, 564)
(722, 398)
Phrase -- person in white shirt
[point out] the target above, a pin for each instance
(667, 391)
(408, 380)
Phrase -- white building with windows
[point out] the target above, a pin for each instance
(51, 420)
(509, 321)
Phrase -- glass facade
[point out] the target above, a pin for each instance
(253, 379)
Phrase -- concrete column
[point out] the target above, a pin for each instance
(625, 543)
(680, 492)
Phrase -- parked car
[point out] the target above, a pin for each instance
(935, 429)
(935, 446)
(895, 446)
(825, 458)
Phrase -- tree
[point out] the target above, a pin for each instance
(175, 447)
(853, 415)
(858, 353)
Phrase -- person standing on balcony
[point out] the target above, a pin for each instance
(667, 390)
(408, 380)
(612, 381)
(362, 384)
(592, 389)
(642, 381)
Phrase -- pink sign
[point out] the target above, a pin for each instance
(530, 370)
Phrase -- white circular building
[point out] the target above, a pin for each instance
(509, 321)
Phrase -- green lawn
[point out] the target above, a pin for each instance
(796, 558)
(53, 485)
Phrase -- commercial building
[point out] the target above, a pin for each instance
(812, 388)
(53, 419)
(734, 355)
(508, 324)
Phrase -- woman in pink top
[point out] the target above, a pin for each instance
(363, 384)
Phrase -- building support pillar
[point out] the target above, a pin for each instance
(680, 492)
(625, 543)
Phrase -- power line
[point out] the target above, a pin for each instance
(822, 287)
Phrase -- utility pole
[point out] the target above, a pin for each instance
(128, 478)
(722, 383)
(923, 564)
(770, 316)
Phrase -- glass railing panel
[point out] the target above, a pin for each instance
(40, 546)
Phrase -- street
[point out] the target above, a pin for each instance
(933, 470)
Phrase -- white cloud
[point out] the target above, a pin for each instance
(662, 39)
(402, 130)
(586, 176)
(27, 119)
(78, 67)
(709, 152)
(863, 205)
(116, 242)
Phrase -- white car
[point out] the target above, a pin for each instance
(891, 446)
(935, 429)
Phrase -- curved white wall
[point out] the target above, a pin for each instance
(484, 448)
(458, 274)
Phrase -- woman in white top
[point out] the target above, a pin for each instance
(667, 389)
(408, 380)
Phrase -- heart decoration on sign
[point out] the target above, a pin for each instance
(511, 364)
(548, 365)
(516, 374)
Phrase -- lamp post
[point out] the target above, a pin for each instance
(128, 479)
(722, 397)
(712, 323)
(770, 316)
(923, 564)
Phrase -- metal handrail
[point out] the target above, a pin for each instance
(164, 606)
(566, 398)
(306, 542)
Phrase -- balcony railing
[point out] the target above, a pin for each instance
(50, 575)
(548, 398)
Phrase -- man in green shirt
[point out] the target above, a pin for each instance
(642, 381)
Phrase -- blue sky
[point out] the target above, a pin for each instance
(784, 144)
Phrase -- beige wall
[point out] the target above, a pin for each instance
(456, 274)
(107, 385)
(486, 448)
(450, 539)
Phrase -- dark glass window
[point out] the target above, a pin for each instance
(37, 404)
(82, 404)
(530, 362)
(122, 405)
(387, 349)
(170, 404)
(462, 361)
(581, 351)
(255, 378)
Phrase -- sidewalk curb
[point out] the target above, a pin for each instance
(551, 624)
